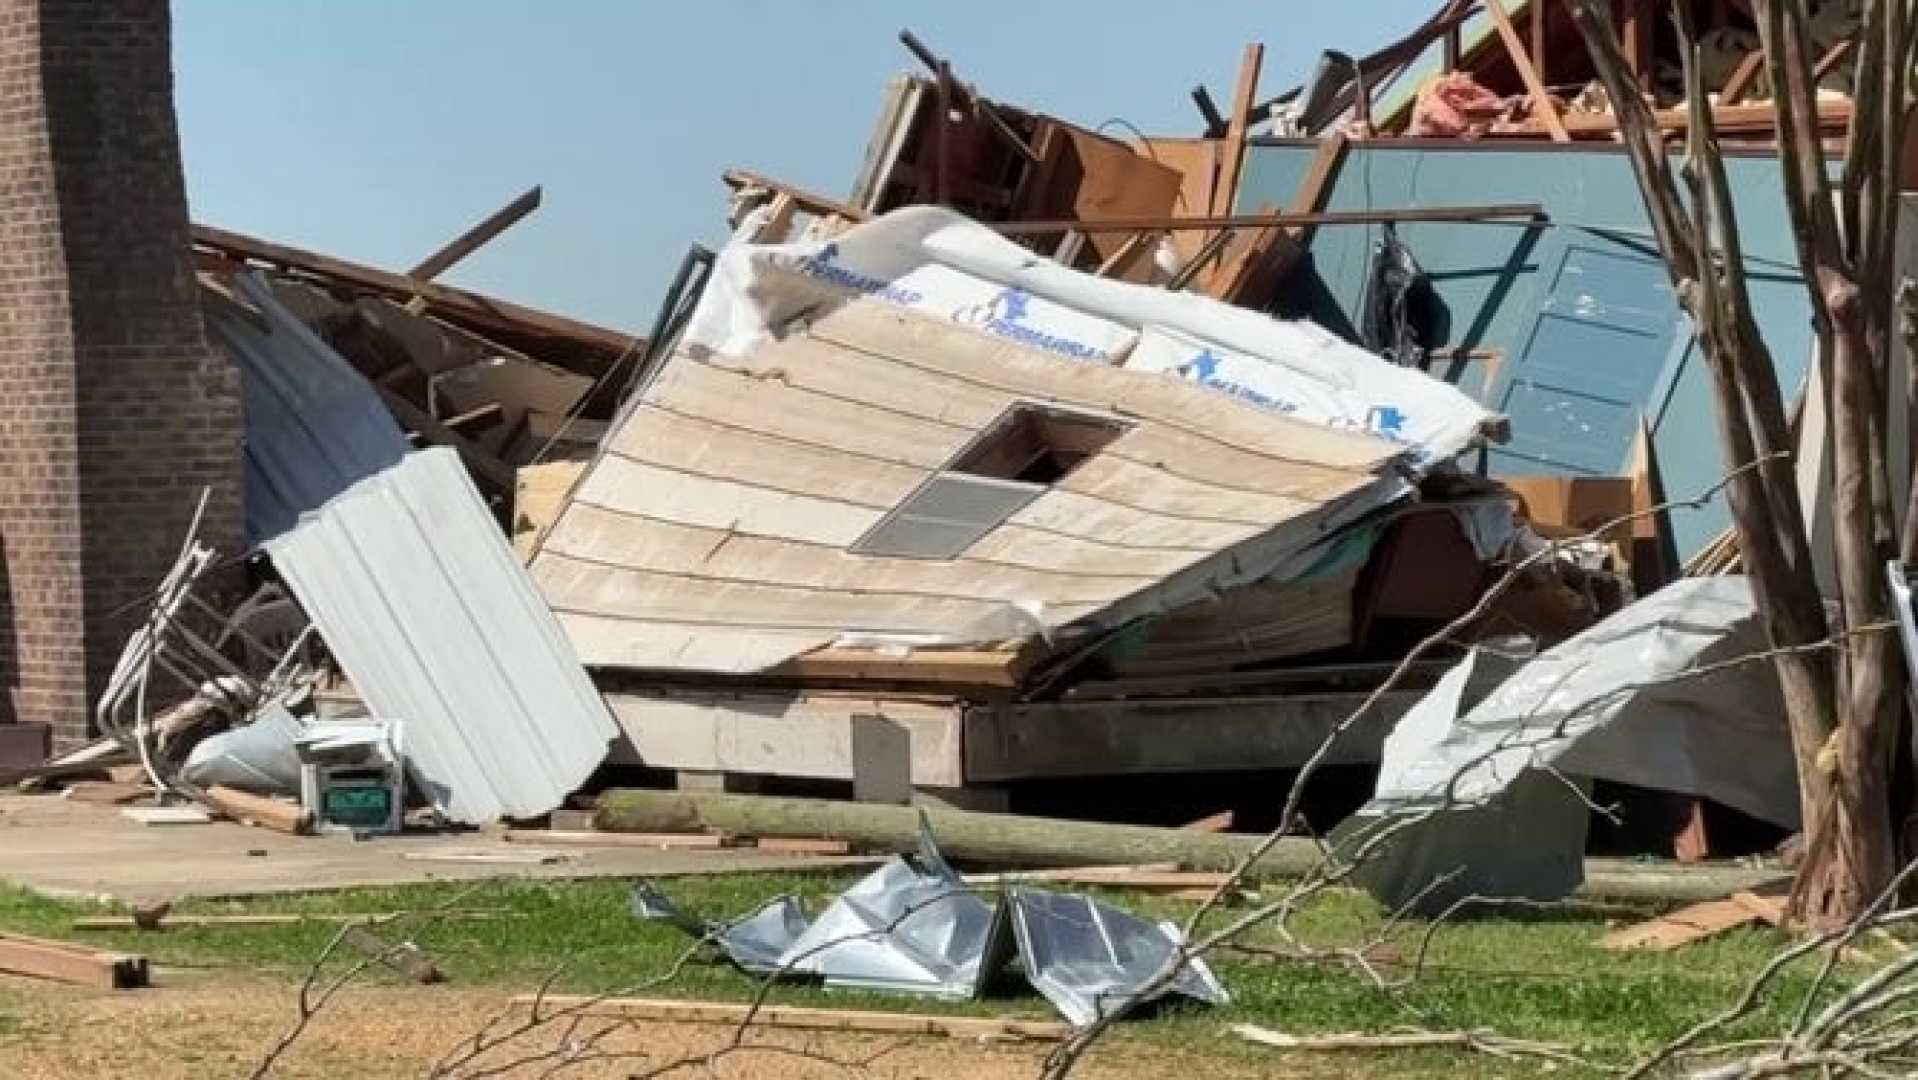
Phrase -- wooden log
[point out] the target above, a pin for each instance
(1000, 838)
(258, 810)
(77, 964)
(793, 1016)
(1009, 839)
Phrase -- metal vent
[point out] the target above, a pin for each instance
(946, 515)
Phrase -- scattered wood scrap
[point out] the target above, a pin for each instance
(259, 810)
(105, 792)
(1695, 922)
(167, 815)
(590, 838)
(403, 957)
(802, 845)
(791, 1016)
(60, 961)
(528, 857)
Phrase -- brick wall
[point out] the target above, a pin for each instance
(114, 413)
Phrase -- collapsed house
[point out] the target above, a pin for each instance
(1120, 458)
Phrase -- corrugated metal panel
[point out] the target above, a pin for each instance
(313, 425)
(413, 587)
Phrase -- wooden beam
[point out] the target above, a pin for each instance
(1726, 118)
(77, 964)
(1541, 100)
(1226, 191)
(1237, 281)
(476, 237)
(476, 457)
(1401, 215)
(797, 1017)
(1121, 260)
(1831, 59)
(807, 201)
(1741, 78)
(496, 314)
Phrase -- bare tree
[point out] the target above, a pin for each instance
(1843, 708)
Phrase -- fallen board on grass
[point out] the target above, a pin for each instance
(170, 921)
(67, 963)
(792, 1016)
(1695, 922)
(802, 845)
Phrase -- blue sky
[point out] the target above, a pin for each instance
(377, 131)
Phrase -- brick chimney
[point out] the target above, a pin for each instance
(114, 412)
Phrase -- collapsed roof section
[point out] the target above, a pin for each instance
(922, 433)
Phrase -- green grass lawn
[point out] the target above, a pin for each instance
(1540, 976)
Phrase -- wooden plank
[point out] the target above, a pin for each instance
(476, 237)
(572, 585)
(781, 734)
(1245, 91)
(968, 396)
(924, 344)
(736, 521)
(476, 457)
(1256, 267)
(60, 961)
(1219, 822)
(173, 921)
(1682, 927)
(1730, 119)
(289, 818)
(502, 858)
(1146, 880)
(105, 792)
(602, 536)
(482, 309)
(807, 201)
(1741, 78)
(167, 815)
(1542, 106)
(1118, 738)
(802, 845)
(653, 841)
(796, 1017)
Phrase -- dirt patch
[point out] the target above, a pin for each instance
(193, 1032)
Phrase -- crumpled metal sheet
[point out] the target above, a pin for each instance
(259, 757)
(912, 925)
(1482, 796)
(755, 943)
(1089, 959)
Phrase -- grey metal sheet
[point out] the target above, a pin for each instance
(1089, 959)
(313, 424)
(412, 585)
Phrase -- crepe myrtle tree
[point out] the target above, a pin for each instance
(1844, 706)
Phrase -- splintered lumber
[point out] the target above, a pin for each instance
(60, 961)
(1015, 840)
(482, 310)
(1542, 106)
(1682, 927)
(591, 838)
(793, 1016)
(259, 810)
(403, 957)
